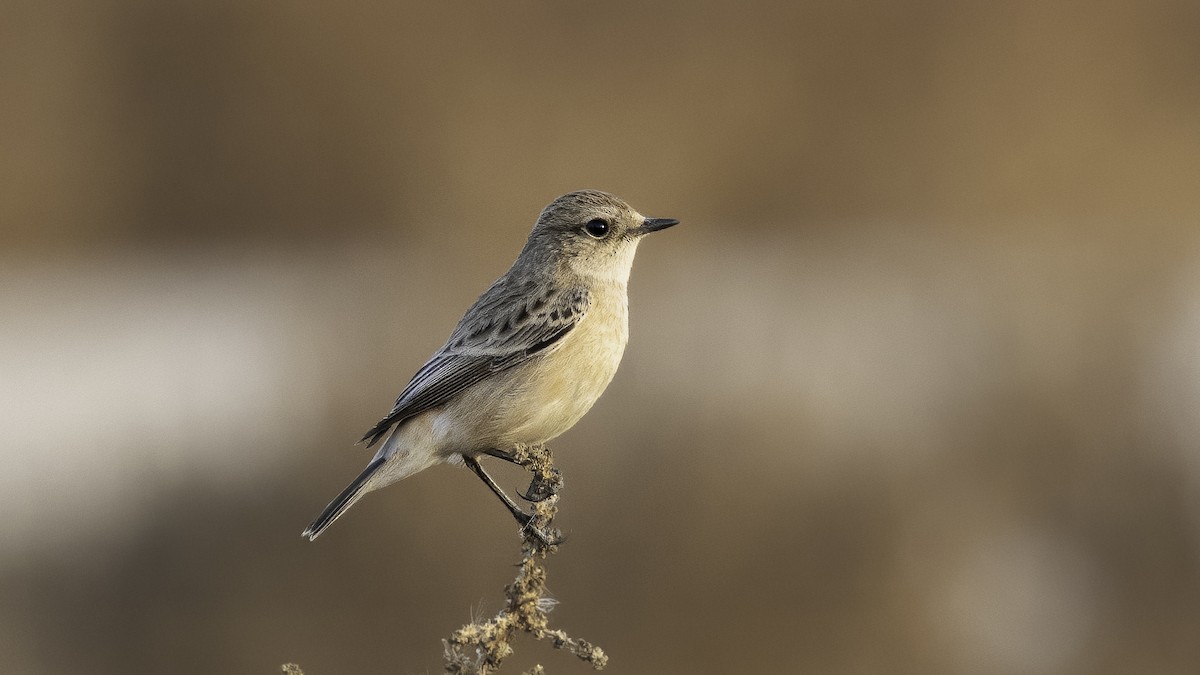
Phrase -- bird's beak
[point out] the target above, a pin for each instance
(656, 224)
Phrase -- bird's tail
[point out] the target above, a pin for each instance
(353, 492)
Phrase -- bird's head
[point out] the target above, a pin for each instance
(590, 233)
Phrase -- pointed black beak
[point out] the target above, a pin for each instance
(656, 224)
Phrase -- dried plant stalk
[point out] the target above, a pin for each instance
(479, 648)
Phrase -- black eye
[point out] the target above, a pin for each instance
(596, 228)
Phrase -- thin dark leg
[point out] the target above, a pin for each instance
(522, 517)
(500, 454)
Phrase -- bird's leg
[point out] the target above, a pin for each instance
(506, 456)
(523, 518)
(540, 489)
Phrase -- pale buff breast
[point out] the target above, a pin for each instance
(538, 401)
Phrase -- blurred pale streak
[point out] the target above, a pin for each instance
(888, 340)
(1169, 385)
(124, 374)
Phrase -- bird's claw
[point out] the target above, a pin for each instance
(542, 488)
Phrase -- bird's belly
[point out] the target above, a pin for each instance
(564, 385)
(554, 402)
(547, 396)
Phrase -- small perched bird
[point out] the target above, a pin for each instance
(526, 361)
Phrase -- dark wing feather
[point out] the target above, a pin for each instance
(507, 326)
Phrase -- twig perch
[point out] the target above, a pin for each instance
(479, 648)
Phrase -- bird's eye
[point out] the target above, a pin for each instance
(596, 228)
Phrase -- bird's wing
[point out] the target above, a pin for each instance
(508, 325)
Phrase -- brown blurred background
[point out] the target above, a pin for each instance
(913, 389)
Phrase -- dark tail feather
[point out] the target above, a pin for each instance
(343, 501)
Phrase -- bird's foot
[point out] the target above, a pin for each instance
(542, 487)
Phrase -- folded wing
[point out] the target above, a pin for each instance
(509, 325)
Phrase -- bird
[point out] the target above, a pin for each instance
(527, 360)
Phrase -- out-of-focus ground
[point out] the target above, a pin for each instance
(914, 388)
